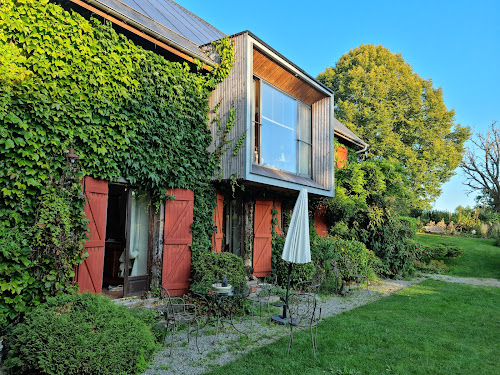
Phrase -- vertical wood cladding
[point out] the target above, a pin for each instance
(232, 90)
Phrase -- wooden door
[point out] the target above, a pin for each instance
(320, 221)
(177, 240)
(262, 245)
(218, 218)
(90, 270)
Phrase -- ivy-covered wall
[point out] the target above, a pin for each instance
(127, 111)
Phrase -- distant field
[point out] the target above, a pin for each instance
(480, 259)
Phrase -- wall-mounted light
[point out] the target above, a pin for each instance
(71, 156)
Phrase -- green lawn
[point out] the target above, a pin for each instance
(480, 258)
(430, 328)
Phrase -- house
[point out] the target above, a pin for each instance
(286, 119)
(284, 127)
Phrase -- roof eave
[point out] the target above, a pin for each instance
(302, 71)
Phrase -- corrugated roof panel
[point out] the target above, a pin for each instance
(194, 25)
(168, 19)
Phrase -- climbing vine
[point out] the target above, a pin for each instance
(127, 112)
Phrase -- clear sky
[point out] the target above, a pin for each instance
(455, 43)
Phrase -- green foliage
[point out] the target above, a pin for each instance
(209, 267)
(368, 196)
(401, 115)
(15, 276)
(433, 266)
(127, 111)
(300, 272)
(38, 261)
(80, 334)
(441, 250)
(391, 239)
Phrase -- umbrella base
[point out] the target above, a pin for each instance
(278, 319)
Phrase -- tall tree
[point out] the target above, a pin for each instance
(481, 165)
(401, 115)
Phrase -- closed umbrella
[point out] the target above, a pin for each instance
(297, 247)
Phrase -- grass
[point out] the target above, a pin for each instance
(480, 258)
(430, 328)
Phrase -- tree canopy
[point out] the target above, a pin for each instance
(400, 114)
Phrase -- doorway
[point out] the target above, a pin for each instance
(126, 251)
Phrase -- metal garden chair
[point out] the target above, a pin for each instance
(303, 312)
(176, 311)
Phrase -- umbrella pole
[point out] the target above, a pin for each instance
(285, 306)
(282, 319)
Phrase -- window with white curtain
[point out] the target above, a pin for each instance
(282, 130)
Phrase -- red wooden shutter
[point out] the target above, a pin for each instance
(262, 238)
(320, 221)
(177, 240)
(341, 156)
(90, 270)
(218, 218)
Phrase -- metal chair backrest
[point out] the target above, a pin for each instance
(302, 309)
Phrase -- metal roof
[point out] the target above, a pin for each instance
(165, 19)
(342, 131)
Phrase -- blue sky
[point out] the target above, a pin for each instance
(455, 43)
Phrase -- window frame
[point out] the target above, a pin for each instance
(257, 81)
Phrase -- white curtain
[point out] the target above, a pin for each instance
(139, 231)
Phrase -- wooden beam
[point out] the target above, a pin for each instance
(116, 21)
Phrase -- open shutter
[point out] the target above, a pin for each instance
(218, 218)
(177, 240)
(90, 270)
(262, 238)
(341, 157)
(320, 221)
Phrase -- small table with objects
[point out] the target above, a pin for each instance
(221, 302)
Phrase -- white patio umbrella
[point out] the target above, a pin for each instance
(297, 247)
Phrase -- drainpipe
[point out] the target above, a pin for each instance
(363, 149)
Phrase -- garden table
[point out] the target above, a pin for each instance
(221, 306)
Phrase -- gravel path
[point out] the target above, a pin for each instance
(187, 361)
(465, 280)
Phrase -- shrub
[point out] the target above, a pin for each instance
(434, 266)
(80, 334)
(436, 250)
(390, 238)
(440, 250)
(300, 272)
(350, 257)
(209, 267)
(454, 251)
(496, 242)
(15, 276)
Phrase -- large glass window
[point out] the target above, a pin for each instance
(282, 130)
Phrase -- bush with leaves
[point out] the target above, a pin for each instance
(38, 261)
(209, 267)
(300, 272)
(368, 197)
(80, 334)
(17, 284)
(441, 250)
